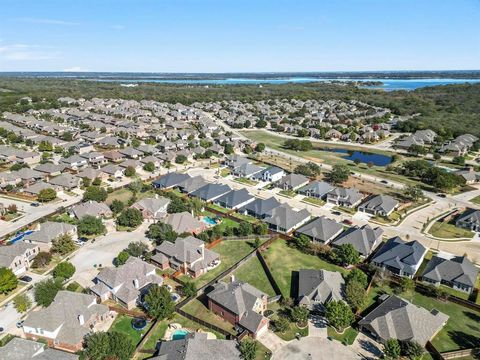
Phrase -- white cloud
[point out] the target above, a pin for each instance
(21, 52)
(48, 21)
(75, 69)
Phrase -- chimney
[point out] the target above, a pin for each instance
(136, 284)
(81, 319)
(232, 278)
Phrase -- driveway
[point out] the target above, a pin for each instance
(317, 326)
(369, 348)
(272, 341)
(314, 348)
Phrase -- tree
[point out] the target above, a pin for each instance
(64, 270)
(357, 275)
(302, 242)
(130, 171)
(121, 346)
(41, 260)
(130, 217)
(412, 349)
(407, 284)
(121, 258)
(158, 302)
(260, 147)
(8, 280)
(86, 181)
(248, 348)
(413, 192)
(299, 314)
(136, 249)
(339, 174)
(281, 324)
(12, 209)
(117, 206)
(22, 303)
(47, 195)
(161, 232)
(392, 349)
(45, 291)
(355, 294)
(95, 193)
(339, 315)
(63, 244)
(149, 166)
(45, 146)
(108, 346)
(244, 229)
(298, 145)
(180, 159)
(136, 186)
(261, 124)
(260, 229)
(309, 169)
(346, 255)
(458, 160)
(90, 225)
(97, 182)
(189, 289)
(228, 149)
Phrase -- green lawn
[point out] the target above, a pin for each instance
(228, 223)
(348, 336)
(313, 201)
(218, 208)
(262, 352)
(192, 325)
(246, 181)
(252, 272)
(462, 329)
(230, 252)
(347, 210)
(225, 172)
(122, 194)
(445, 230)
(292, 330)
(283, 260)
(198, 308)
(157, 334)
(243, 217)
(123, 324)
(288, 193)
(476, 200)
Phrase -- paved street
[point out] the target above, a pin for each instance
(314, 348)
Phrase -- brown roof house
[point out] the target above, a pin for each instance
(127, 283)
(66, 321)
(152, 208)
(187, 255)
(240, 304)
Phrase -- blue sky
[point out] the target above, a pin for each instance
(239, 35)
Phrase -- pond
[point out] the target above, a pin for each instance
(363, 157)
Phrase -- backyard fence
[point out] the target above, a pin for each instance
(460, 353)
(206, 324)
(270, 277)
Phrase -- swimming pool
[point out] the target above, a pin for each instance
(179, 334)
(209, 221)
(20, 236)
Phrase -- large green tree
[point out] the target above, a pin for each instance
(339, 174)
(8, 280)
(90, 225)
(64, 270)
(158, 302)
(47, 195)
(161, 232)
(63, 244)
(95, 193)
(248, 348)
(45, 291)
(339, 315)
(130, 217)
(392, 349)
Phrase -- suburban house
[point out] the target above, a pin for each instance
(66, 181)
(74, 162)
(234, 199)
(470, 219)
(197, 346)
(260, 208)
(66, 321)
(316, 189)
(127, 283)
(170, 180)
(247, 170)
(184, 222)
(292, 181)
(191, 184)
(271, 174)
(18, 256)
(240, 304)
(350, 197)
(22, 349)
(317, 287)
(48, 231)
(400, 257)
(210, 192)
(321, 229)
(469, 175)
(92, 208)
(187, 255)
(396, 318)
(379, 205)
(284, 218)
(35, 189)
(364, 239)
(113, 171)
(152, 208)
(458, 273)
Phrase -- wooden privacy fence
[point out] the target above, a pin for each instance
(270, 277)
(206, 324)
(460, 353)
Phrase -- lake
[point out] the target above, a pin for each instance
(363, 157)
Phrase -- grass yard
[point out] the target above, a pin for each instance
(225, 172)
(230, 252)
(292, 330)
(122, 194)
(288, 193)
(348, 337)
(262, 351)
(394, 217)
(313, 201)
(246, 181)
(252, 272)
(283, 260)
(228, 223)
(192, 325)
(123, 324)
(218, 208)
(476, 200)
(157, 334)
(347, 210)
(445, 230)
(243, 217)
(198, 308)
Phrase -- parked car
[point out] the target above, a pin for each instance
(35, 204)
(25, 278)
(347, 222)
(335, 212)
(20, 324)
(442, 195)
(384, 181)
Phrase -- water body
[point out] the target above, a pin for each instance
(364, 157)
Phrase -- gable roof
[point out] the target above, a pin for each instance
(458, 269)
(319, 286)
(362, 238)
(262, 206)
(211, 191)
(8, 253)
(322, 228)
(192, 183)
(319, 188)
(22, 349)
(235, 198)
(470, 216)
(170, 180)
(293, 180)
(183, 222)
(379, 203)
(400, 254)
(286, 217)
(152, 205)
(91, 208)
(49, 231)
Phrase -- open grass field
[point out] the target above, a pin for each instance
(283, 260)
(252, 272)
(446, 230)
(123, 324)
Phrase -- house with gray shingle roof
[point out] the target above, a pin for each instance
(400, 257)
(152, 208)
(396, 318)
(350, 197)
(18, 256)
(127, 283)
(35, 188)
(316, 189)
(92, 208)
(292, 182)
(271, 174)
(22, 349)
(66, 321)
(284, 218)
(185, 222)
(470, 219)
(240, 304)
(321, 229)
(457, 272)
(48, 231)
(191, 184)
(197, 346)
(188, 255)
(66, 181)
(210, 192)
(234, 199)
(364, 239)
(379, 205)
(317, 287)
(50, 169)
(247, 170)
(170, 180)
(260, 208)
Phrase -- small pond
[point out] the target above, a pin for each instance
(363, 157)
